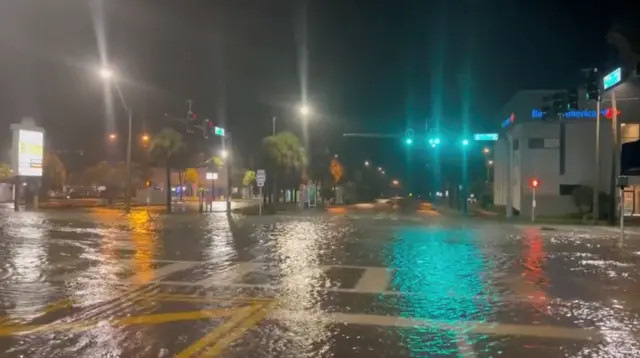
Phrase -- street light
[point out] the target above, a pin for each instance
(145, 137)
(366, 163)
(305, 110)
(224, 154)
(108, 75)
(395, 182)
(112, 136)
(486, 150)
(465, 142)
(379, 169)
(105, 73)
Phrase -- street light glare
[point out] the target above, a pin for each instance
(112, 136)
(224, 153)
(305, 110)
(106, 73)
(366, 163)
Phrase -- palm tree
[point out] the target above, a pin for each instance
(163, 146)
(286, 154)
(5, 171)
(248, 179)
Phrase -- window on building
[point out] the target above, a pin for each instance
(536, 143)
(567, 189)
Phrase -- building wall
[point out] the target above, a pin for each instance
(536, 153)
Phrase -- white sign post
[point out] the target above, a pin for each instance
(261, 177)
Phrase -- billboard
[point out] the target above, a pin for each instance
(30, 153)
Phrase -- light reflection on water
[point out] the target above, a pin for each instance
(442, 270)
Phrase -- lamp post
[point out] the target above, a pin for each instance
(108, 75)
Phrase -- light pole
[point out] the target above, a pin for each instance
(108, 75)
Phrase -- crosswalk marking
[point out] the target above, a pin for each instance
(373, 280)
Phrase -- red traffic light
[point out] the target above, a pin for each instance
(535, 183)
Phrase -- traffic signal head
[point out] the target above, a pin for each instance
(572, 100)
(593, 86)
(408, 141)
(535, 183)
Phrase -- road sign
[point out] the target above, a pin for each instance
(485, 136)
(218, 131)
(211, 176)
(261, 177)
(612, 79)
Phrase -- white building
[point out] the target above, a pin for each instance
(560, 157)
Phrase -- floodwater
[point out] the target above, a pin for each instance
(101, 284)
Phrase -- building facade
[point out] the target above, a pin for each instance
(559, 154)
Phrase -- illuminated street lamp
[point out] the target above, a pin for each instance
(366, 163)
(105, 73)
(224, 154)
(379, 169)
(145, 137)
(490, 162)
(486, 150)
(108, 76)
(395, 182)
(305, 110)
(113, 136)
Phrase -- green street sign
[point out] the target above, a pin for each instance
(218, 131)
(612, 79)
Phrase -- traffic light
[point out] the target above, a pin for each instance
(559, 105)
(534, 183)
(572, 100)
(593, 85)
(408, 136)
(465, 142)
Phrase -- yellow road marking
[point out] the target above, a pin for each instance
(238, 331)
(203, 342)
(77, 327)
(55, 306)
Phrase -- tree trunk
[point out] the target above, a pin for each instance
(168, 187)
(275, 194)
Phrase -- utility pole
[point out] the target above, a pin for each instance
(229, 143)
(616, 160)
(127, 197)
(594, 92)
(189, 117)
(273, 126)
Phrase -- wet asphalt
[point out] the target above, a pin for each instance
(313, 284)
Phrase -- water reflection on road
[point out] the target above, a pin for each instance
(311, 285)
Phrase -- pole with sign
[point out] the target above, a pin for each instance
(261, 177)
(27, 160)
(534, 186)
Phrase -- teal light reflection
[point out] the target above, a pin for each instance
(442, 272)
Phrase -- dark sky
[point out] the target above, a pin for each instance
(365, 65)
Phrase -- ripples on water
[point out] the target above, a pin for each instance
(454, 277)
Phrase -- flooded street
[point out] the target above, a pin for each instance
(101, 284)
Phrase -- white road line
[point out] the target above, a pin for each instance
(373, 280)
(163, 271)
(227, 277)
(468, 326)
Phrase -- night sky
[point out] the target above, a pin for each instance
(363, 65)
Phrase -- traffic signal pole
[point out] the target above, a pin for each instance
(615, 162)
(596, 180)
